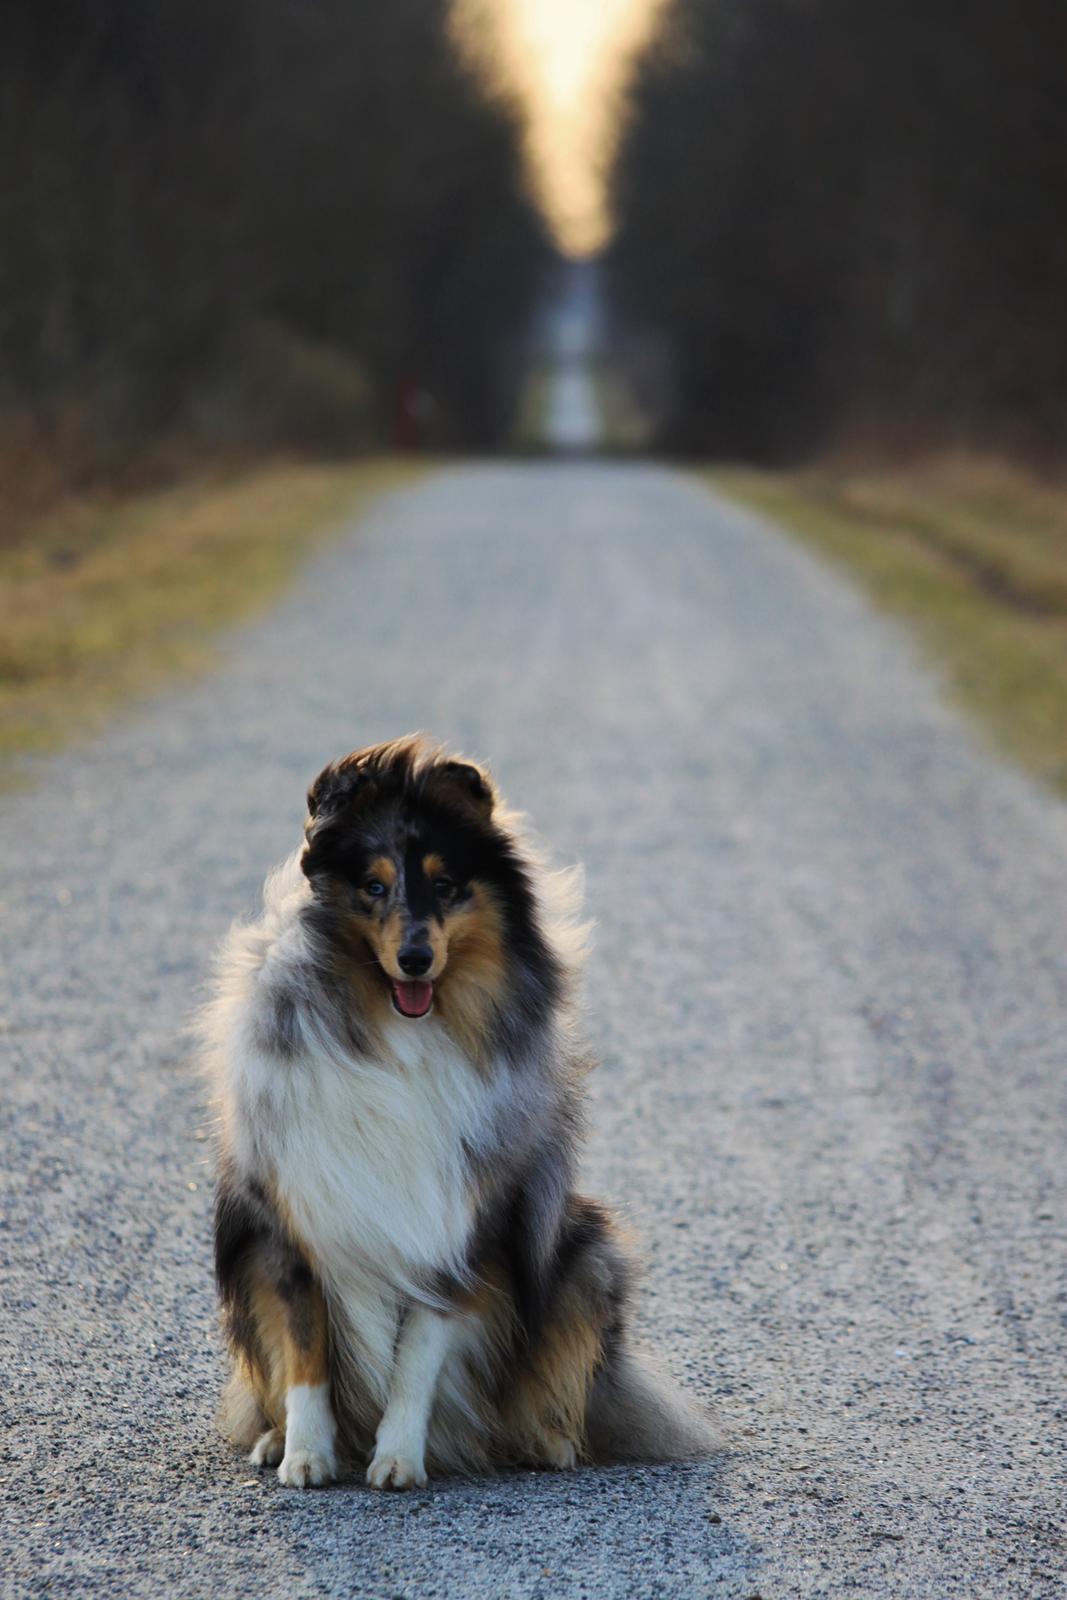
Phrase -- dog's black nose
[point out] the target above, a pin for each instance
(415, 960)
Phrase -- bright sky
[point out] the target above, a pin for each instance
(567, 61)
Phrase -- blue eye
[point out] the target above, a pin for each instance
(374, 887)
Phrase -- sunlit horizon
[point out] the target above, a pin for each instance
(567, 63)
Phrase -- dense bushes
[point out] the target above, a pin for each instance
(851, 220)
(255, 218)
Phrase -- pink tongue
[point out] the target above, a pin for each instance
(414, 997)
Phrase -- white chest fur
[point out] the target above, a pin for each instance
(370, 1160)
(369, 1156)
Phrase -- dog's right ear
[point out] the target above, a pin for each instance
(324, 786)
(335, 792)
(337, 785)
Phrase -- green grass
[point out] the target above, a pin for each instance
(106, 597)
(973, 555)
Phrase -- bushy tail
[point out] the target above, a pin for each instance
(635, 1414)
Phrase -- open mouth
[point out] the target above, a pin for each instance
(412, 997)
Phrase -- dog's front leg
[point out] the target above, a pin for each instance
(399, 1453)
(288, 1323)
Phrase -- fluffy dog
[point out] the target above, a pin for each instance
(405, 1269)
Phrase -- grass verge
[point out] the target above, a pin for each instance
(973, 554)
(104, 598)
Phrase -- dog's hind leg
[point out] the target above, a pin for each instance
(426, 1339)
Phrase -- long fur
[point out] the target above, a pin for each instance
(373, 1163)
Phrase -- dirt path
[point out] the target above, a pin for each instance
(829, 992)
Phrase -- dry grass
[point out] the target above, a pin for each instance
(974, 554)
(101, 598)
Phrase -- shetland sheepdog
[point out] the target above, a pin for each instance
(406, 1272)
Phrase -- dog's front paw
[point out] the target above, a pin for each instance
(389, 1471)
(306, 1469)
(268, 1448)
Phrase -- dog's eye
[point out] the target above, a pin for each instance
(443, 886)
(374, 887)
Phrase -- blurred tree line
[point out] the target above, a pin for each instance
(258, 221)
(849, 221)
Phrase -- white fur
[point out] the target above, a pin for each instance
(310, 1458)
(425, 1342)
(268, 1448)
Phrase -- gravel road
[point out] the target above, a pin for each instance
(829, 992)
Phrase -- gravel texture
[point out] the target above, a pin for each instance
(829, 995)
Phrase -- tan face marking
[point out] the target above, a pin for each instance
(466, 942)
(476, 971)
(383, 869)
(386, 938)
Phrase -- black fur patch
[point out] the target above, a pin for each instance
(548, 1238)
(248, 1231)
(278, 1024)
(242, 1218)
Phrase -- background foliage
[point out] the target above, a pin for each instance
(849, 222)
(255, 220)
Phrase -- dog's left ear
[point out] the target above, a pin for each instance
(461, 782)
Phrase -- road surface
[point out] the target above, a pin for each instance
(829, 994)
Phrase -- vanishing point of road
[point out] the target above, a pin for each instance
(829, 996)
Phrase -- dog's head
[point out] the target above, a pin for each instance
(404, 848)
